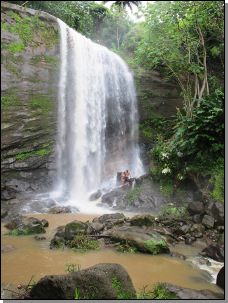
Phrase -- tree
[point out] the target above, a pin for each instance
(177, 38)
(123, 4)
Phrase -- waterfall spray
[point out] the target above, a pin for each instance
(97, 118)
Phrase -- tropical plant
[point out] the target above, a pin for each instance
(122, 5)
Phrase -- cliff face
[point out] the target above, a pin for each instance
(155, 96)
(29, 72)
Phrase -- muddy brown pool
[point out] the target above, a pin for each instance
(33, 259)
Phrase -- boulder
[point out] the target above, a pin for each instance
(142, 220)
(45, 223)
(117, 195)
(177, 255)
(220, 281)
(197, 195)
(94, 228)
(109, 220)
(6, 248)
(214, 251)
(208, 221)
(25, 226)
(95, 195)
(192, 294)
(195, 208)
(74, 228)
(97, 282)
(216, 210)
(4, 213)
(146, 241)
(59, 210)
(18, 185)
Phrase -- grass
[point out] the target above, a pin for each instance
(160, 292)
(121, 294)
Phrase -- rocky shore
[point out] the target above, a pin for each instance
(142, 233)
(194, 219)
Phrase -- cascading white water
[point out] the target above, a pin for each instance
(97, 118)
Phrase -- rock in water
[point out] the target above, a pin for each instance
(96, 282)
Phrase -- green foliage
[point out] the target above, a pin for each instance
(36, 153)
(9, 99)
(56, 243)
(198, 141)
(182, 29)
(156, 125)
(202, 136)
(41, 101)
(168, 209)
(119, 289)
(218, 191)
(76, 294)
(133, 194)
(113, 30)
(126, 247)
(26, 28)
(159, 292)
(15, 232)
(83, 242)
(166, 188)
(155, 246)
(16, 47)
(25, 231)
(72, 267)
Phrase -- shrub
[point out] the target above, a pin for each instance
(72, 267)
(83, 242)
(133, 194)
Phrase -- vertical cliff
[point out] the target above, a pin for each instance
(29, 72)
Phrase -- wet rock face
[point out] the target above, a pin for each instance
(214, 251)
(155, 95)
(29, 70)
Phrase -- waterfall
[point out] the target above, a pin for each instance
(97, 119)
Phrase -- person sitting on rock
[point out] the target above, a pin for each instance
(128, 176)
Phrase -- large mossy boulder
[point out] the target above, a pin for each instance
(25, 226)
(74, 228)
(101, 281)
(147, 241)
(142, 220)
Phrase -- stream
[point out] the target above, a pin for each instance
(33, 259)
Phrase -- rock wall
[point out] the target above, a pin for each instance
(155, 95)
(29, 75)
